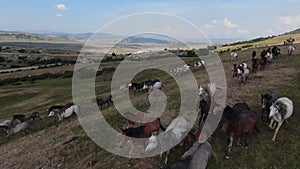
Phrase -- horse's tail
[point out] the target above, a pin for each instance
(160, 125)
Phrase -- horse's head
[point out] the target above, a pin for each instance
(201, 90)
(145, 87)
(152, 143)
(51, 113)
(263, 102)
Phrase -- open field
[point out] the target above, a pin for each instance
(44, 145)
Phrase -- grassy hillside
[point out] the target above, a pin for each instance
(45, 145)
(262, 41)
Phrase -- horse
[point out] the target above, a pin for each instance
(133, 118)
(204, 106)
(275, 51)
(5, 125)
(269, 57)
(267, 100)
(104, 100)
(52, 110)
(263, 60)
(291, 49)
(68, 112)
(23, 126)
(234, 56)
(234, 70)
(255, 64)
(151, 86)
(190, 138)
(280, 111)
(208, 90)
(151, 82)
(27, 116)
(243, 74)
(239, 124)
(173, 134)
(289, 41)
(199, 64)
(137, 87)
(143, 131)
(181, 70)
(195, 158)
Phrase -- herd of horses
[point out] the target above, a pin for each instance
(238, 121)
(242, 70)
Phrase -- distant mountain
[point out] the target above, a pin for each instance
(24, 36)
(144, 40)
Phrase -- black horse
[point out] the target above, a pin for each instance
(27, 116)
(136, 86)
(266, 102)
(204, 109)
(104, 100)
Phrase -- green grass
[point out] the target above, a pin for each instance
(262, 153)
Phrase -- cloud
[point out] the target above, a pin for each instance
(214, 21)
(58, 15)
(229, 24)
(61, 7)
(243, 31)
(290, 20)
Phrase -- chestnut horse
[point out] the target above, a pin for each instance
(143, 131)
(238, 124)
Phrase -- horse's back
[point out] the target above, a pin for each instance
(200, 153)
(289, 106)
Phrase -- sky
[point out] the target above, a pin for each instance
(215, 18)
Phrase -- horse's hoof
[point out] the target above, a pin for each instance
(227, 157)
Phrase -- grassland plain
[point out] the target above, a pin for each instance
(44, 145)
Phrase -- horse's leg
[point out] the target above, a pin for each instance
(247, 140)
(205, 117)
(166, 159)
(271, 124)
(276, 131)
(200, 119)
(130, 155)
(229, 147)
(239, 142)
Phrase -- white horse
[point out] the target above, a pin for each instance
(281, 110)
(68, 112)
(243, 74)
(174, 134)
(269, 57)
(244, 65)
(17, 128)
(156, 85)
(209, 90)
(181, 70)
(291, 49)
(234, 56)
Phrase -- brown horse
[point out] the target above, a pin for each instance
(132, 119)
(190, 139)
(143, 131)
(239, 123)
